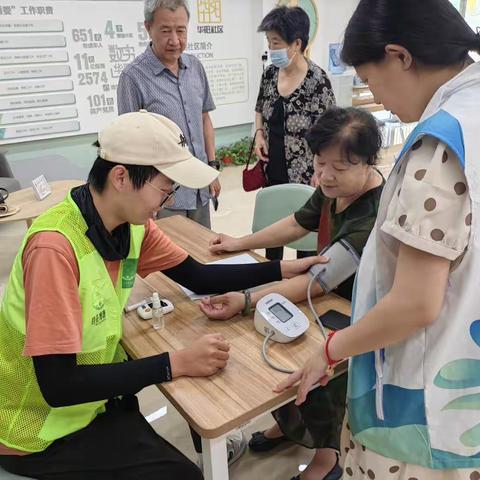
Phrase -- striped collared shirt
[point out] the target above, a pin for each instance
(147, 83)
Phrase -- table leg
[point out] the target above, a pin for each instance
(215, 463)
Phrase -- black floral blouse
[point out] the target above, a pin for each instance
(301, 110)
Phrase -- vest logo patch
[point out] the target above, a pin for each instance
(99, 318)
(98, 300)
(129, 270)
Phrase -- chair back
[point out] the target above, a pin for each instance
(5, 170)
(277, 202)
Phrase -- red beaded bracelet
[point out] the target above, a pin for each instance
(331, 362)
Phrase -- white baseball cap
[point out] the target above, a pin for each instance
(144, 138)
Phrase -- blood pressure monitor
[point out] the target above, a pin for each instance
(279, 318)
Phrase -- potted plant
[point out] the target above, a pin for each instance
(224, 156)
(235, 153)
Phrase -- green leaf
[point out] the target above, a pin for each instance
(463, 373)
(471, 438)
(466, 402)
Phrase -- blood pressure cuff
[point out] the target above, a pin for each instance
(344, 261)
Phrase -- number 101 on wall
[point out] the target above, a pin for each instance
(100, 100)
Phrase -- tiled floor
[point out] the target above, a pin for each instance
(234, 217)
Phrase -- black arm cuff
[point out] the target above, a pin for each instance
(201, 278)
(63, 382)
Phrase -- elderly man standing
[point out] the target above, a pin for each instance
(167, 81)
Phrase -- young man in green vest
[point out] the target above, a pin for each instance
(68, 408)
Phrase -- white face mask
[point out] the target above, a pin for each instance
(279, 58)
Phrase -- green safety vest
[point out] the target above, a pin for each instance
(27, 422)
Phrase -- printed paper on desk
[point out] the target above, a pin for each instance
(237, 259)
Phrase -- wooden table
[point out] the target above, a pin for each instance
(242, 391)
(30, 207)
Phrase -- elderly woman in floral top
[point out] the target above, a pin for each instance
(294, 92)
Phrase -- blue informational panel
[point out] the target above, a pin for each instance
(335, 64)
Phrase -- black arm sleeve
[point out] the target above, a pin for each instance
(201, 278)
(63, 382)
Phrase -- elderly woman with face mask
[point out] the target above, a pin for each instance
(294, 93)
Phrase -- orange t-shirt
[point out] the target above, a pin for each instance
(51, 277)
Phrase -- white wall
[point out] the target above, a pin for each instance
(333, 19)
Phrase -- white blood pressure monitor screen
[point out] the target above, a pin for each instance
(281, 312)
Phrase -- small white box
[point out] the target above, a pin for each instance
(41, 188)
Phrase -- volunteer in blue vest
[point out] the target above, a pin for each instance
(414, 378)
(68, 408)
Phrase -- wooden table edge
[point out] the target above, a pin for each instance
(264, 408)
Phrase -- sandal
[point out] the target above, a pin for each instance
(260, 443)
(334, 474)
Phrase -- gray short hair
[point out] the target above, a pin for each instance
(152, 5)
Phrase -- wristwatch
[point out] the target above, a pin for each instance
(247, 309)
(214, 164)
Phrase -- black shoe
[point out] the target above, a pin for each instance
(260, 443)
(334, 474)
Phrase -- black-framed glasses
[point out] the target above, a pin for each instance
(168, 195)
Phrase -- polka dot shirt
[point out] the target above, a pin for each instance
(431, 208)
(360, 463)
